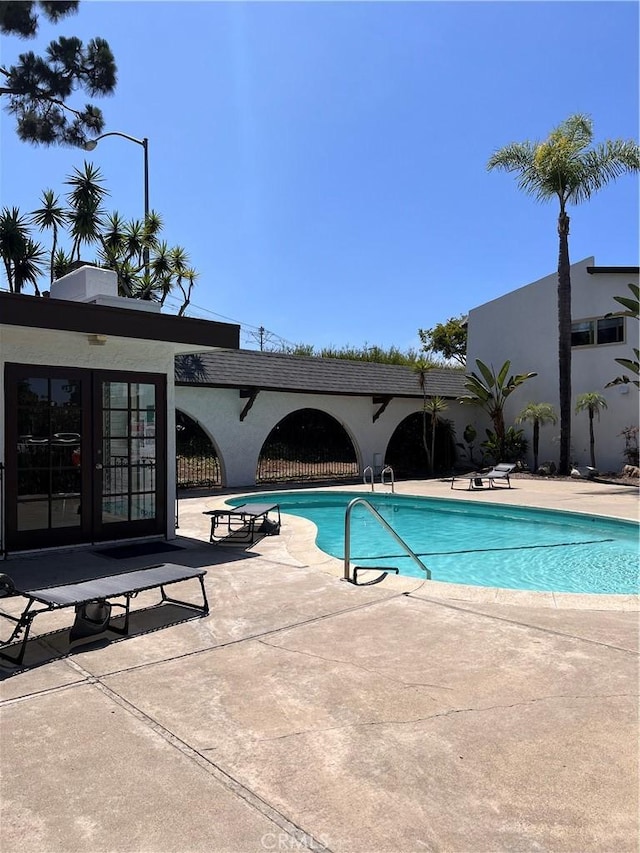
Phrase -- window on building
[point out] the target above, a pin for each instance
(606, 330)
(582, 333)
(610, 330)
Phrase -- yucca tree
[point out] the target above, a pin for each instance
(14, 232)
(592, 403)
(61, 264)
(50, 215)
(125, 247)
(489, 390)
(85, 214)
(538, 414)
(29, 267)
(569, 168)
(183, 275)
(21, 255)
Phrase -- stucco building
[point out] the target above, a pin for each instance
(239, 396)
(522, 326)
(88, 412)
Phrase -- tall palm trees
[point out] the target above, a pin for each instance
(567, 167)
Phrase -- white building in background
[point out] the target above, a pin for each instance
(522, 327)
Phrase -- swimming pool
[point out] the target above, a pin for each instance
(475, 543)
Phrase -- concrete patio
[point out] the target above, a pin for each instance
(306, 713)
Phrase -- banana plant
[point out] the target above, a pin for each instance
(489, 389)
(632, 309)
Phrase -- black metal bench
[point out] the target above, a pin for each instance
(240, 524)
(92, 597)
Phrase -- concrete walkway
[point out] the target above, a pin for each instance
(306, 713)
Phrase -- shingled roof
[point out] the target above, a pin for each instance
(270, 371)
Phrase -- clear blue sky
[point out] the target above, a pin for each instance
(325, 163)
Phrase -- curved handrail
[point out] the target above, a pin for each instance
(364, 476)
(385, 470)
(385, 524)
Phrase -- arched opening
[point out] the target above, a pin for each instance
(307, 445)
(197, 463)
(406, 453)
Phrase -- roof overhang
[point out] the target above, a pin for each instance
(188, 334)
(620, 270)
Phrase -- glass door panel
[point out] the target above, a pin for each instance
(49, 450)
(85, 455)
(129, 414)
(48, 455)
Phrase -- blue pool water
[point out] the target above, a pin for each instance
(475, 543)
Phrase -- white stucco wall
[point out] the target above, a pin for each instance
(72, 349)
(238, 443)
(522, 326)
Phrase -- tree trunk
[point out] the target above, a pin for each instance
(54, 246)
(564, 342)
(9, 271)
(433, 444)
(592, 440)
(497, 416)
(536, 444)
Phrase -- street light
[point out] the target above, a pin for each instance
(92, 143)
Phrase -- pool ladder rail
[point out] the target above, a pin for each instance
(384, 570)
(386, 470)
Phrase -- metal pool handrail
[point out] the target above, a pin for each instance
(388, 470)
(374, 512)
(364, 476)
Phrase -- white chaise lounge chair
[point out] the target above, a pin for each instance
(478, 481)
(500, 472)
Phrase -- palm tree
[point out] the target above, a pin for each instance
(422, 367)
(591, 402)
(50, 215)
(490, 390)
(568, 168)
(538, 414)
(434, 407)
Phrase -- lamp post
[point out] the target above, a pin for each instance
(92, 143)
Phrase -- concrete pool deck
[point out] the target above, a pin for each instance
(306, 713)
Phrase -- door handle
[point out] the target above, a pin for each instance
(98, 466)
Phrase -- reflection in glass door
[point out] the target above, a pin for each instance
(49, 445)
(129, 455)
(85, 455)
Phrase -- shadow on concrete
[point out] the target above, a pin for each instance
(55, 645)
